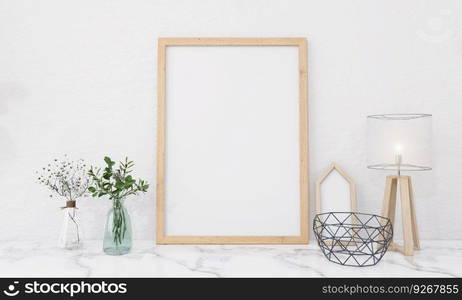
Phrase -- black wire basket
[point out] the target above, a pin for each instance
(353, 239)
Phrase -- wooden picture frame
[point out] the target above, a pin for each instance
(302, 181)
(348, 179)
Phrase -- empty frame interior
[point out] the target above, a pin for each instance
(335, 191)
(232, 141)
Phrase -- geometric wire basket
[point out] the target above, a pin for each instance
(353, 239)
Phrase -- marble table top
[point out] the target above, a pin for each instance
(44, 259)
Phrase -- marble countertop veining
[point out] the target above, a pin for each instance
(43, 259)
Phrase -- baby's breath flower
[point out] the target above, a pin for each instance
(65, 178)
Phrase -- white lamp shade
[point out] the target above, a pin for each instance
(399, 142)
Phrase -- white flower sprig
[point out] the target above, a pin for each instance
(66, 178)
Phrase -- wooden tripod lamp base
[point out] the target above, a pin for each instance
(410, 235)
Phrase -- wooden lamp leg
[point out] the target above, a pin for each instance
(389, 199)
(410, 236)
(415, 233)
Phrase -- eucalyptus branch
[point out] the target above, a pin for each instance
(116, 184)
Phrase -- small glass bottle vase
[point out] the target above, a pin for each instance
(118, 232)
(71, 232)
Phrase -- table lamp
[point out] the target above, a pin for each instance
(400, 143)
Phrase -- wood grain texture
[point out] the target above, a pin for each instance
(389, 199)
(415, 233)
(225, 240)
(160, 185)
(408, 239)
(303, 117)
(301, 43)
(410, 235)
(236, 41)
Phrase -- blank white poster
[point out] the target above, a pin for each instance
(232, 141)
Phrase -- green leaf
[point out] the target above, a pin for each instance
(119, 184)
(92, 189)
(108, 161)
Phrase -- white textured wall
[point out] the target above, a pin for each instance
(78, 77)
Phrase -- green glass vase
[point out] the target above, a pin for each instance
(118, 232)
